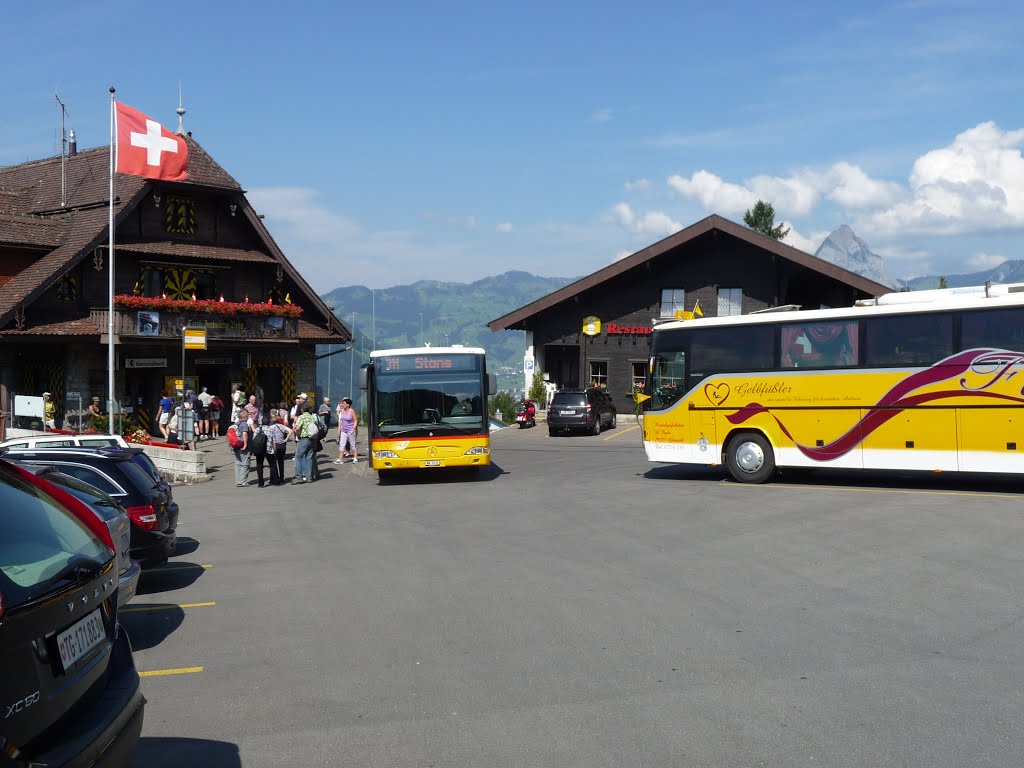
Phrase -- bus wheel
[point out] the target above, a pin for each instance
(750, 458)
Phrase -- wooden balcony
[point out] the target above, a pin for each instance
(164, 326)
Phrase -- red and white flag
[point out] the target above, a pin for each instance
(146, 148)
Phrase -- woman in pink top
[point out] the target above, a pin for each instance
(347, 424)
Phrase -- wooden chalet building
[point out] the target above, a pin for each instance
(596, 331)
(190, 253)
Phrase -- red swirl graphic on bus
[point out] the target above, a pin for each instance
(996, 365)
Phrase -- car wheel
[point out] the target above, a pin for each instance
(597, 425)
(750, 458)
(614, 422)
(551, 431)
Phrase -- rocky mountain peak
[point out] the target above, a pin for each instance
(844, 249)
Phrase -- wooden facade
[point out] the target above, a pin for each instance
(712, 259)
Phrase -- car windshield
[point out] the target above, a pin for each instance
(409, 404)
(40, 539)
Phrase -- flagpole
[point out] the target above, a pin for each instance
(110, 287)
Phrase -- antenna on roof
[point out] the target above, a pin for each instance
(63, 153)
(181, 113)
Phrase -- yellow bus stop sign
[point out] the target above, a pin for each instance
(194, 338)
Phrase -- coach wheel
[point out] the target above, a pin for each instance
(750, 458)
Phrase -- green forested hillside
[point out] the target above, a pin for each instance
(452, 313)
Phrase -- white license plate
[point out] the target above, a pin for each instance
(568, 413)
(80, 638)
(434, 463)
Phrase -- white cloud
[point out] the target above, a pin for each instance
(655, 223)
(638, 184)
(983, 261)
(974, 184)
(470, 222)
(504, 228)
(620, 255)
(602, 116)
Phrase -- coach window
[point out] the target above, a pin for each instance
(820, 345)
(999, 329)
(727, 350)
(908, 339)
(672, 300)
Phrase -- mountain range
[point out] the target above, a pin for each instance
(436, 313)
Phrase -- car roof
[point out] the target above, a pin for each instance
(108, 453)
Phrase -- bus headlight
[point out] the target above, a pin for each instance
(478, 450)
(385, 455)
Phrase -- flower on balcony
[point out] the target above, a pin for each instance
(212, 306)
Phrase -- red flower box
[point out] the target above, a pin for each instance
(211, 306)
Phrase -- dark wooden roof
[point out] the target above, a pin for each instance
(31, 216)
(713, 222)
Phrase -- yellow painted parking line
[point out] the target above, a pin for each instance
(622, 432)
(907, 491)
(164, 606)
(161, 672)
(178, 567)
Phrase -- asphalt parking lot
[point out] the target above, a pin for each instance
(578, 606)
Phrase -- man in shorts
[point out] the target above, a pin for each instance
(204, 414)
(164, 414)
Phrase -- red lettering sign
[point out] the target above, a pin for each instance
(614, 329)
(432, 363)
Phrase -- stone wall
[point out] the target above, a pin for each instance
(178, 466)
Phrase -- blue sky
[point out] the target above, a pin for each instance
(400, 141)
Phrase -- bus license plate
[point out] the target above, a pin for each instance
(80, 638)
(434, 463)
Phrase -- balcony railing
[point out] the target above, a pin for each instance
(150, 324)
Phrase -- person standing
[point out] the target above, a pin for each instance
(243, 454)
(164, 414)
(264, 454)
(253, 409)
(296, 411)
(324, 412)
(49, 412)
(306, 431)
(204, 414)
(216, 406)
(279, 434)
(237, 402)
(348, 422)
(260, 402)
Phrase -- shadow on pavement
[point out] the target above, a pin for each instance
(168, 577)
(154, 752)
(843, 478)
(186, 545)
(148, 626)
(441, 475)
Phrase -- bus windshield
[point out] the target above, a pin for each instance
(411, 404)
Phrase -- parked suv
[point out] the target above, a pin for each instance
(587, 410)
(112, 470)
(71, 692)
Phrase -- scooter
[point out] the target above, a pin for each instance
(526, 416)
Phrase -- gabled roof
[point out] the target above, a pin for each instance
(31, 215)
(712, 222)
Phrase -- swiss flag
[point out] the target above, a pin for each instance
(146, 148)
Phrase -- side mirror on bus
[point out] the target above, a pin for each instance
(363, 375)
(492, 383)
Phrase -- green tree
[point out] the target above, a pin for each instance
(762, 219)
(504, 403)
(538, 392)
(943, 282)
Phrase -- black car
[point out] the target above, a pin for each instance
(71, 694)
(114, 471)
(586, 410)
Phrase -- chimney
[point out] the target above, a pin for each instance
(72, 144)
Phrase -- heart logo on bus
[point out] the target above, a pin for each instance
(716, 393)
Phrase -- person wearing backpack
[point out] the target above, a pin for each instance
(262, 449)
(216, 406)
(239, 437)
